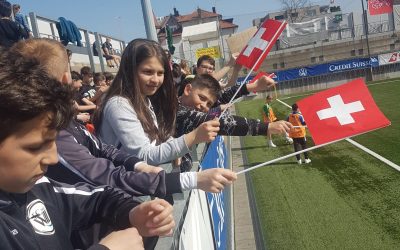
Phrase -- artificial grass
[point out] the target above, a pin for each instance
(344, 199)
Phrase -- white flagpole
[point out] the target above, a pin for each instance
(286, 156)
(251, 70)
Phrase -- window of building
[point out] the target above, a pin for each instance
(392, 46)
(353, 52)
(275, 66)
(361, 52)
(282, 65)
(321, 58)
(295, 14)
(311, 12)
(313, 59)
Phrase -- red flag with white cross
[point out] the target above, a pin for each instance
(260, 44)
(377, 7)
(341, 112)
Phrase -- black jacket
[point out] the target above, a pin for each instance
(45, 216)
(83, 157)
(11, 32)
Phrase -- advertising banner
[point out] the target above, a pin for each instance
(216, 157)
(196, 233)
(327, 68)
(389, 58)
(211, 51)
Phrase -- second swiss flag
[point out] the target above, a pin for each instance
(341, 112)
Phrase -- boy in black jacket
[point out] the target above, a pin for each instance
(37, 212)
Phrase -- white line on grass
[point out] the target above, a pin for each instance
(358, 145)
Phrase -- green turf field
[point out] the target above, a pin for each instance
(344, 199)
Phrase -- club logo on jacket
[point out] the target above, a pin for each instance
(36, 214)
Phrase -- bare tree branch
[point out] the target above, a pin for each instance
(291, 8)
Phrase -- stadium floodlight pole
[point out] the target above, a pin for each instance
(148, 18)
(365, 24)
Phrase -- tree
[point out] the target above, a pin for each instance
(292, 7)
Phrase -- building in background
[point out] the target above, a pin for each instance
(324, 34)
(196, 33)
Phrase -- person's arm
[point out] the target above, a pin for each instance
(302, 121)
(83, 205)
(105, 165)
(188, 119)
(129, 132)
(99, 93)
(105, 49)
(88, 105)
(261, 84)
(224, 70)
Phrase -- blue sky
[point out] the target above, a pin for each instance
(124, 19)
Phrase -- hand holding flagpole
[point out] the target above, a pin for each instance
(257, 49)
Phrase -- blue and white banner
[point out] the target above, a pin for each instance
(216, 157)
(322, 69)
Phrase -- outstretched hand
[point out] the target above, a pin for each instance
(279, 127)
(215, 179)
(261, 84)
(153, 218)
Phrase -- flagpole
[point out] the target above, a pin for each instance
(252, 68)
(304, 150)
(286, 156)
(365, 24)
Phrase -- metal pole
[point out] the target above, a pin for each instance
(99, 51)
(89, 49)
(365, 23)
(149, 20)
(34, 24)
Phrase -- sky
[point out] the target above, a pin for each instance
(123, 19)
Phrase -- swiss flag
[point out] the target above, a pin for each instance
(341, 112)
(393, 58)
(377, 7)
(260, 44)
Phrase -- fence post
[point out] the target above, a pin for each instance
(89, 49)
(99, 51)
(35, 28)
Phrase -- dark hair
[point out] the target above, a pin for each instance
(205, 58)
(176, 70)
(126, 84)
(269, 97)
(85, 70)
(295, 107)
(206, 81)
(5, 9)
(109, 76)
(75, 76)
(27, 91)
(97, 77)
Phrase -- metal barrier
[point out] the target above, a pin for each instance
(43, 27)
